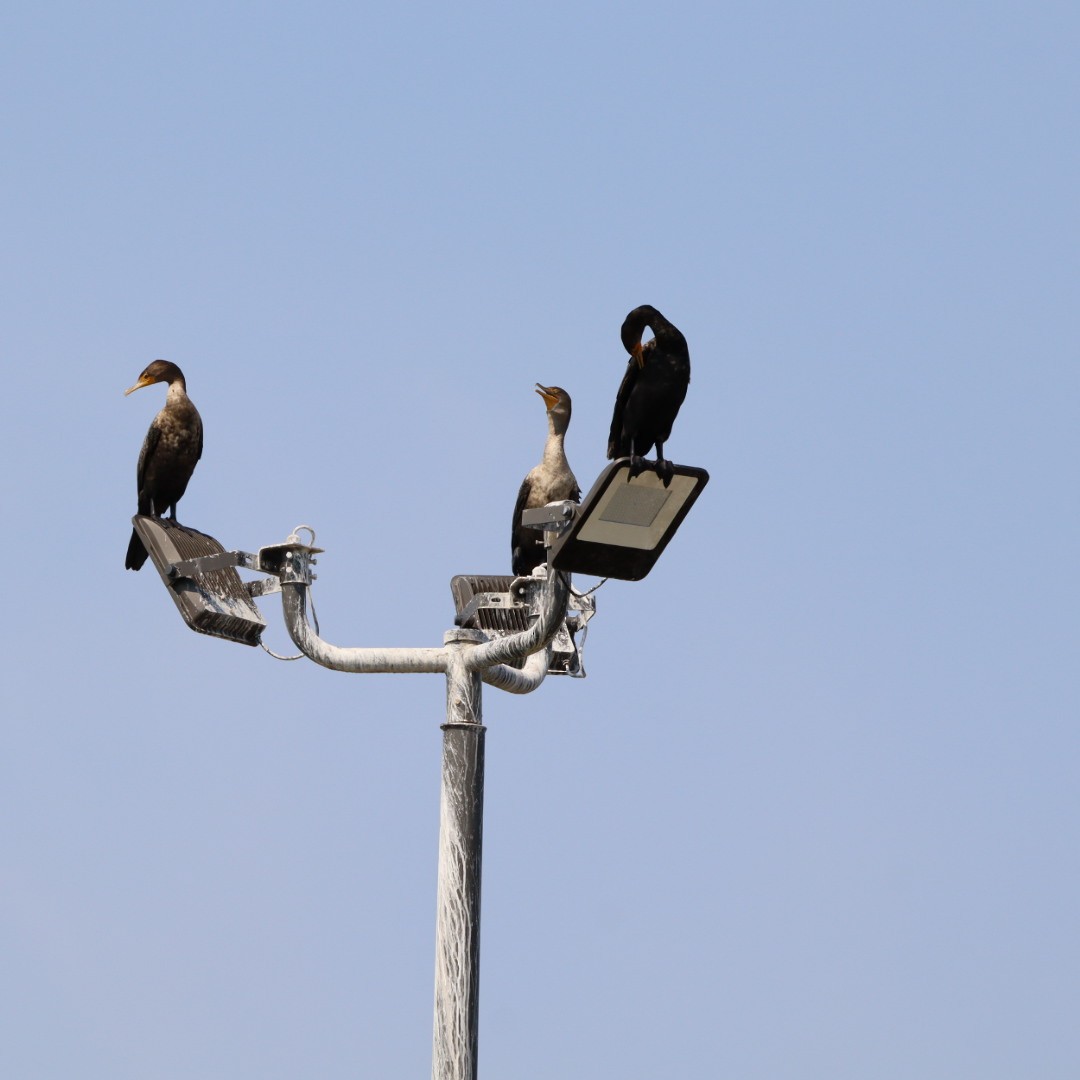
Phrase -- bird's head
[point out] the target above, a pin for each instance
(633, 327)
(158, 371)
(557, 401)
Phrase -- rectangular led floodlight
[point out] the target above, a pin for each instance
(212, 602)
(625, 522)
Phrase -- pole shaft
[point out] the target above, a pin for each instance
(461, 826)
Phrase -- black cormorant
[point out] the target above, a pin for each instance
(172, 447)
(550, 481)
(652, 390)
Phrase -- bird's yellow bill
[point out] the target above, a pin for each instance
(144, 380)
(638, 355)
(545, 392)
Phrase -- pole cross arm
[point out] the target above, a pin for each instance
(546, 595)
(370, 661)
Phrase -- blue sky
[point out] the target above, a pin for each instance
(814, 812)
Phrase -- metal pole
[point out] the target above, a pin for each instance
(461, 827)
(469, 659)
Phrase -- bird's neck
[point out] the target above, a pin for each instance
(177, 392)
(554, 452)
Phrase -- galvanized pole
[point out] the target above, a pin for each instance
(461, 828)
(469, 659)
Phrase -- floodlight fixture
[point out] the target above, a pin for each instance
(201, 577)
(503, 605)
(623, 525)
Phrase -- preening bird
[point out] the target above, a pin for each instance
(169, 452)
(651, 392)
(550, 481)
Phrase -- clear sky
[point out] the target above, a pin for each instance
(815, 812)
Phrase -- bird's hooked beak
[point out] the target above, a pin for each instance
(144, 380)
(550, 399)
(638, 355)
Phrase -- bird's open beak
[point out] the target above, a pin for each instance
(144, 380)
(638, 355)
(549, 398)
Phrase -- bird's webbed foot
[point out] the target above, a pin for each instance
(637, 467)
(665, 470)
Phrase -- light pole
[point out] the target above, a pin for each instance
(511, 633)
(468, 658)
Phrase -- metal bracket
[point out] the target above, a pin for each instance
(205, 563)
(291, 561)
(554, 515)
(555, 519)
(568, 645)
(262, 587)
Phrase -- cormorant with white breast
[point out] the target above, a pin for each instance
(169, 453)
(651, 392)
(550, 481)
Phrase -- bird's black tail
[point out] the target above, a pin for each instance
(136, 554)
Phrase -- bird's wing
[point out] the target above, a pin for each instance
(625, 388)
(146, 453)
(519, 506)
(519, 536)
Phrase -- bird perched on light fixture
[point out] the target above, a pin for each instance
(170, 451)
(550, 481)
(651, 391)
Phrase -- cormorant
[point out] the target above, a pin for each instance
(651, 392)
(172, 447)
(550, 481)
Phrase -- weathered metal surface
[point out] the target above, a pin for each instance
(497, 606)
(290, 560)
(547, 595)
(461, 815)
(212, 601)
(488, 603)
(373, 661)
(262, 587)
(203, 564)
(520, 680)
(569, 654)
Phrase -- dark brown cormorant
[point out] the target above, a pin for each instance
(550, 481)
(652, 390)
(172, 447)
